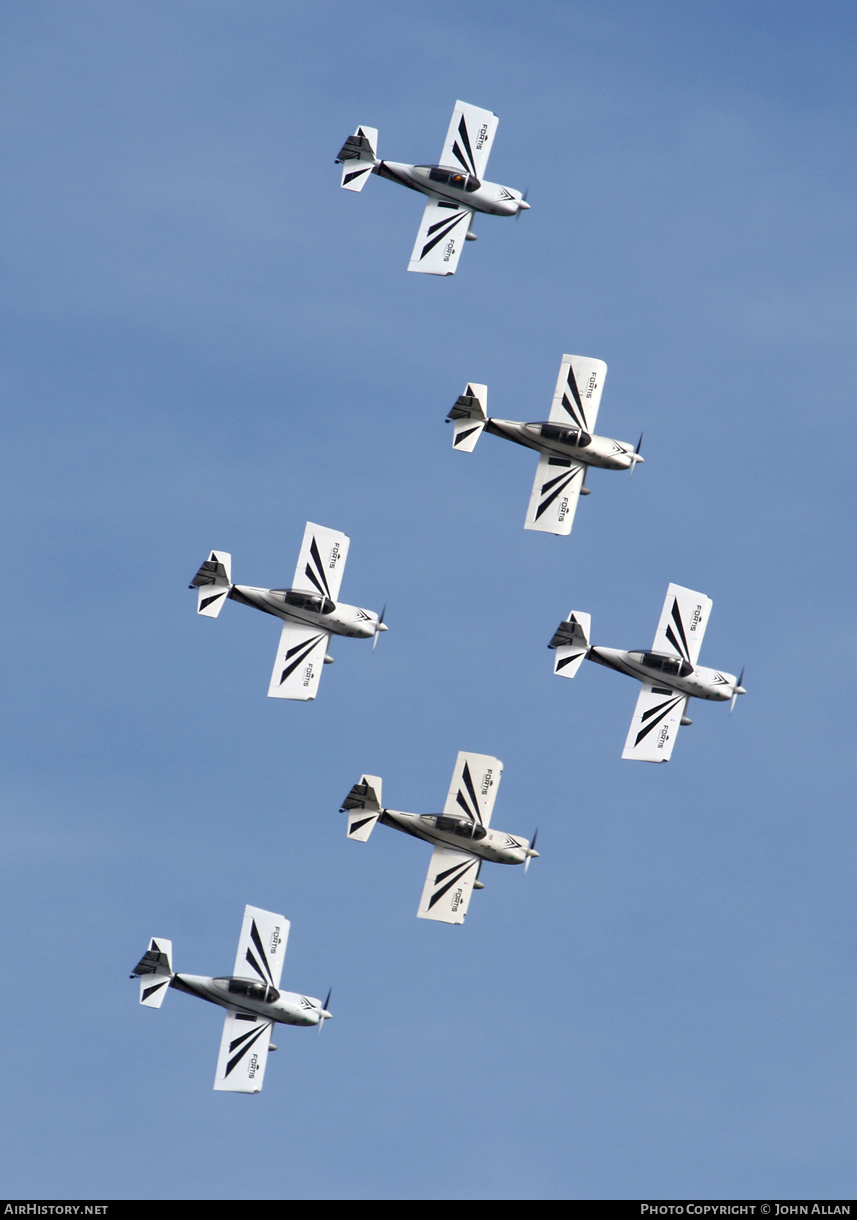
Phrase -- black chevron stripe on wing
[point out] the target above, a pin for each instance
(316, 573)
(445, 227)
(454, 875)
(554, 487)
(300, 652)
(471, 807)
(678, 641)
(243, 1045)
(465, 153)
(572, 402)
(656, 714)
(263, 971)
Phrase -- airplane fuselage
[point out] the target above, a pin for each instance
(311, 608)
(662, 669)
(254, 998)
(455, 187)
(567, 442)
(459, 834)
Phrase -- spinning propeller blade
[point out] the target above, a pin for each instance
(738, 689)
(379, 627)
(325, 1014)
(531, 850)
(637, 457)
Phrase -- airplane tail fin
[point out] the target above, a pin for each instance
(358, 157)
(155, 969)
(469, 417)
(571, 641)
(363, 806)
(214, 580)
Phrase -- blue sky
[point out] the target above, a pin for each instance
(208, 343)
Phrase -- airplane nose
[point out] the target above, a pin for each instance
(381, 627)
(523, 205)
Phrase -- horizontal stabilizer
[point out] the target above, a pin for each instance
(155, 970)
(358, 158)
(363, 805)
(469, 417)
(571, 641)
(213, 580)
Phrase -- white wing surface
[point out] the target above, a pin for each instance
(682, 624)
(449, 885)
(473, 789)
(321, 561)
(243, 1053)
(577, 396)
(656, 721)
(261, 946)
(469, 139)
(556, 490)
(300, 660)
(441, 238)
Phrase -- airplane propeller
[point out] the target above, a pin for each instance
(523, 206)
(379, 627)
(325, 1015)
(636, 456)
(531, 850)
(737, 689)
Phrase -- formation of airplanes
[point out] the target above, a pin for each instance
(461, 836)
(455, 187)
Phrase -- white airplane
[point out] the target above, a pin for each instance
(253, 1003)
(460, 835)
(455, 187)
(309, 609)
(668, 672)
(565, 441)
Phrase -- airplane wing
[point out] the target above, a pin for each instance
(449, 884)
(556, 490)
(441, 238)
(300, 659)
(243, 1052)
(473, 789)
(656, 721)
(577, 396)
(682, 623)
(321, 561)
(261, 946)
(469, 139)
